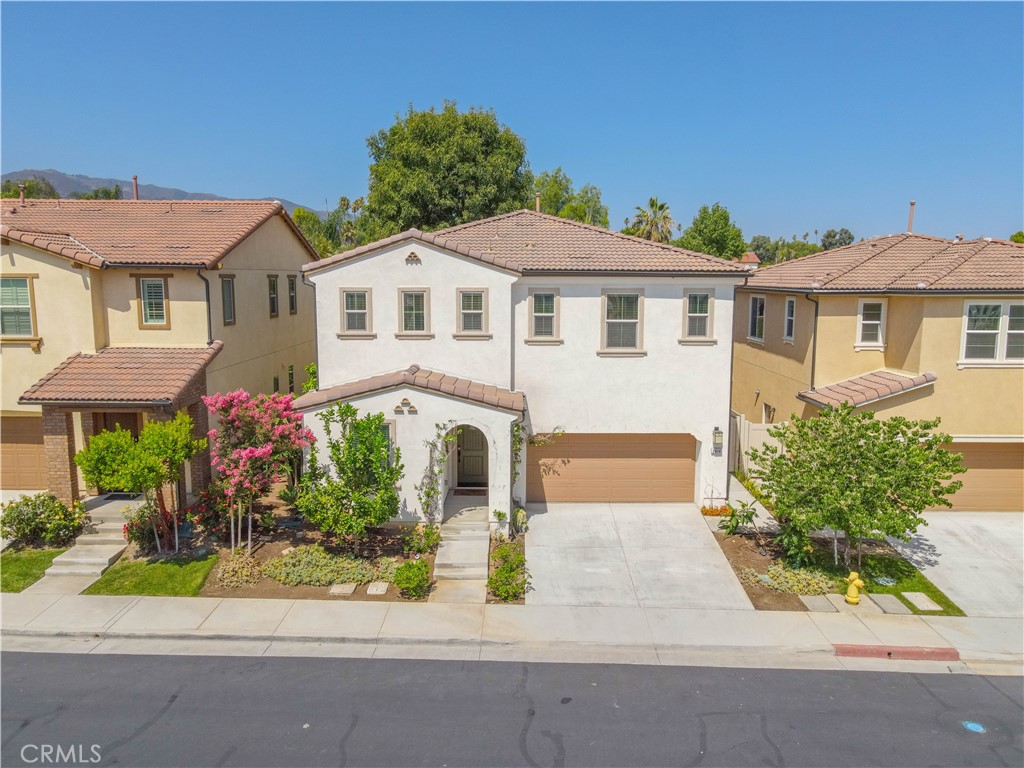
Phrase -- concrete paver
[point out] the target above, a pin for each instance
(865, 606)
(348, 588)
(166, 613)
(817, 603)
(922, 602)
(891, 604)
(976, 558)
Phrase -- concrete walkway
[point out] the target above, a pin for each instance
(460, 567)
(117, 624)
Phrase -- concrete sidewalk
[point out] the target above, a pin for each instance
(117, 624)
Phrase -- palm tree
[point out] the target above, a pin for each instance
(654, 222)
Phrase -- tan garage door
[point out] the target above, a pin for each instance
(22, 458)
(612, 467)
(994, 480)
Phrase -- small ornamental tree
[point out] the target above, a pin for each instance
(256, 440)
(854, 473)
(116, 460)
(358, 488)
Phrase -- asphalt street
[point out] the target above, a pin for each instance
(225, 711)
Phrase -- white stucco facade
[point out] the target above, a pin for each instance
(667, 385)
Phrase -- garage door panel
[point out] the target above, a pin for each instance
(994, 480)
(22, 455)
(612, 467)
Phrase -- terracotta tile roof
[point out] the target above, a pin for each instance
(122, 375)
(869, 388)
(421, 378)
(110, 233)
(749, 258)
(902, 262)
(529, 242)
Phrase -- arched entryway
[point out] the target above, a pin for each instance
(471, 463)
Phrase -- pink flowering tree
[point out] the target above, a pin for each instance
(257, 439)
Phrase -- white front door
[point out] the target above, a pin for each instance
(472, 469)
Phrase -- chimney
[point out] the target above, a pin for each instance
(21, 197)
(959, 238)
(536, 201)
(135, 186)
(910, 223)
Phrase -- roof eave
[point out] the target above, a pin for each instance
(886, 291)
(818, 404)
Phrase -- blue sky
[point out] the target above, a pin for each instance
(795, 116)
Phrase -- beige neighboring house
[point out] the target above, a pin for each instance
(903, 325)
(119, 311)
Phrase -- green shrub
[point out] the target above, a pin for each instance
(42, 519)
(794, 581)
(413, 578)
(239, 570)
(422, 539)
(736, 518)
(510, 578)
(312, 565)
(138, 526)
(289, 494)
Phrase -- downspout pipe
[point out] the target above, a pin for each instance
(814, 336)
(209, 314)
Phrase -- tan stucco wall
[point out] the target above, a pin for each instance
(187, 309)
(258, 347)
(64, 320)
(922, 334)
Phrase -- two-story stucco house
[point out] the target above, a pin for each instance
(903, 325)
(620, 343)
(118, 311)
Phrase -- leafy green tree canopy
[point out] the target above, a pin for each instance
(713, 231)
(341, 229)
(836, 238)
(853, 473)
(35, 188)
(434, 169)
(1017, 237)
(100, 193)
(559, 198)
(765, 248)
(654, 222)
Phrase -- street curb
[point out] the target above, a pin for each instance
(900, 653)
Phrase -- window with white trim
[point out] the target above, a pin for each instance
(543, 320)
(993, 332)
(698, 316)
(871, 323)
(272, 294)
(356, 313)
(755, 328)
(622, 321)
(414, 311)
(227, 294)
(472, 311)
(153, 295)
(15, 307)
(789, 327)
(293, 295)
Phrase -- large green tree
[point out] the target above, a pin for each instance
(100, 193)
(713, 231)
(654, 222)
(437, 168)
(836, 238)
(559, 198)
(848, 471)
(765, 248)
(1017, 237)
(36, 187)
(341, 229)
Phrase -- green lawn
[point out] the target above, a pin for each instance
(908, 579)
(21, 567)
(172, 576)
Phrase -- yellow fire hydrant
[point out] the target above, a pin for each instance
(853, 591)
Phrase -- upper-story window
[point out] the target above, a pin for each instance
(755, 328)
(154, 312)
(472, 318)
(871, 324)
(227, 294)
(697, 321)
(272, 294)
(356, 313)
(542, 309)
(16, 316)
(622, 324)
(293, 295)
(414, 312)
(993, 332)
(789, 328)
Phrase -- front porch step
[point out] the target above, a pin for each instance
(459, 591)
(468, 552)
(100, 555)
(459, 572)
(455, 527)
(464, 534)
(101, 538)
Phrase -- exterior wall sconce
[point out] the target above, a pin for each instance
(717, 441)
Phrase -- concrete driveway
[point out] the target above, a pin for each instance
(651, 555)
(976, 558)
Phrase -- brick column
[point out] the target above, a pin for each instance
(201, 473)
(88, 430)
(59, 443)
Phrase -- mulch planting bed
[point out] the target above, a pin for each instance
(742, 552)
(520, 544)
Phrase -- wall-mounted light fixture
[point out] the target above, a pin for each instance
(717, 441)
